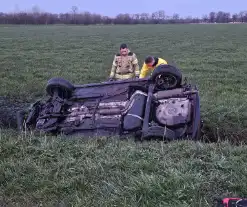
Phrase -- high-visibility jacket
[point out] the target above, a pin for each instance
(124, 67)
(146, 70)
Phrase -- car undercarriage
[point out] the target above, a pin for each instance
(156, 107)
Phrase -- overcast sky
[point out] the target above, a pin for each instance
(111, 7)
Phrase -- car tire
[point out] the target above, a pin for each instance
(63, 88)
(167, 71)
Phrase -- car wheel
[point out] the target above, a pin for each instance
(166, 77)
(61, 87)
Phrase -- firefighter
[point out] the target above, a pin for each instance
(149, 64)
(125, 65)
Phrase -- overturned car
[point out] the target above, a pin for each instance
(156, 107)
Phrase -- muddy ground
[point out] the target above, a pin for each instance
(8, 111)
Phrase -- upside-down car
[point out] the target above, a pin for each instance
(160, 106)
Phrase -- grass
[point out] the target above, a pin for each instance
(109, 172)
(122, 173)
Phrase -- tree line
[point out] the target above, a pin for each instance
(87, 18)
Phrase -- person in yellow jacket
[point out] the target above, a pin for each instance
(149, 64)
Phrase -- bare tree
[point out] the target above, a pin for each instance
(235, 17)
(205, 18)
(74, 9)
(36, 16)
(74, 14)
(161, 14)
(212, 17)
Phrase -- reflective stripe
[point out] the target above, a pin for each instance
(112, 75)
(135, 116)
(126, 73)
(125, 76)
(135, 61)
(139, 92)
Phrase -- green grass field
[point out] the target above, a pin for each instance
(102, 172)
